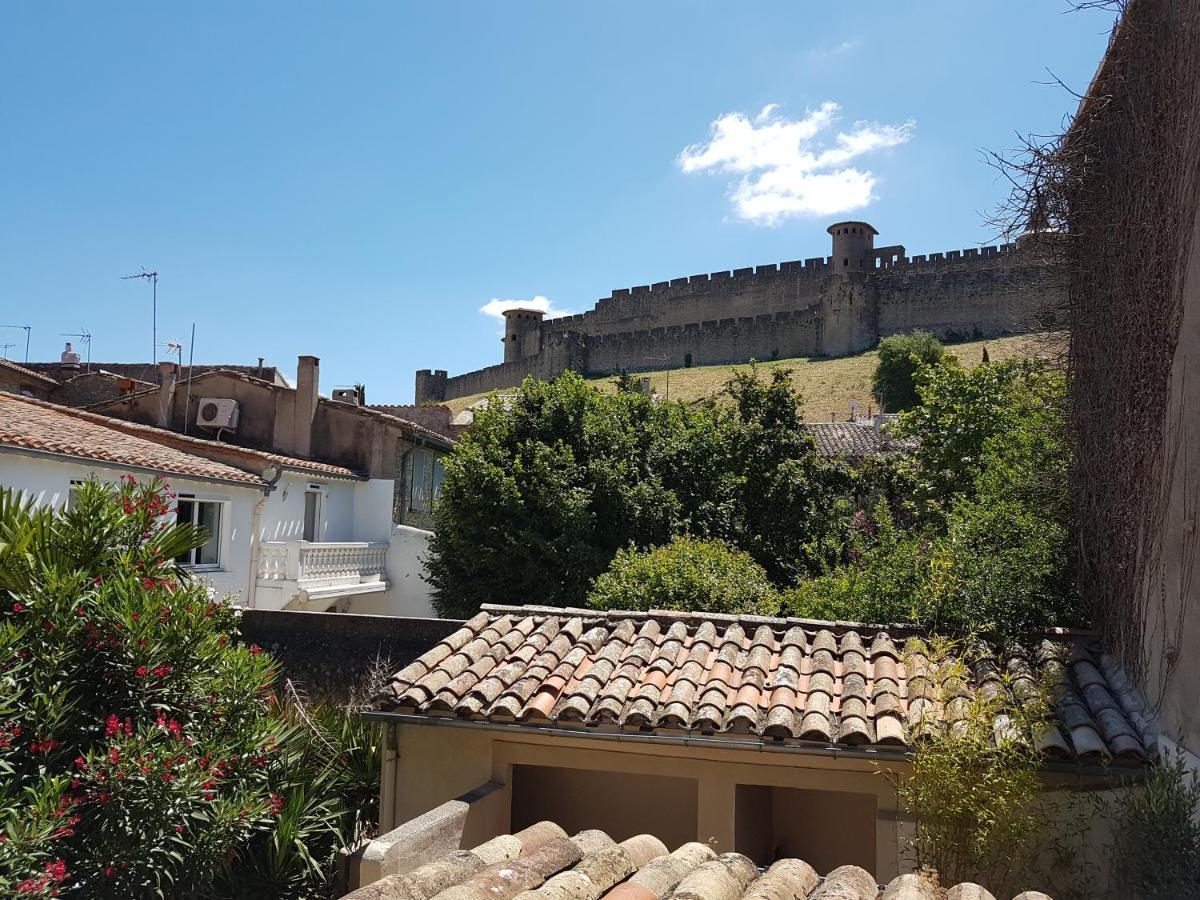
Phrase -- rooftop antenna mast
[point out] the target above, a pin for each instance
(152, 277)
(4, 348)
(26, 329)
(85, 338)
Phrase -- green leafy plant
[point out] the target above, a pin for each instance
(900, 356)
(686, 574)
(143, 751)
(973, 789)
(545, 489)
(1157, 849)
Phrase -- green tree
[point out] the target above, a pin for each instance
(900, 356)
(686, 574)
(990, 547)
(544, 490)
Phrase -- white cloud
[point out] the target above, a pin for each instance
(791, 167)
(819, 53)
(496, 307)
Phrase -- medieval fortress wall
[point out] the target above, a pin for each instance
(829, 306)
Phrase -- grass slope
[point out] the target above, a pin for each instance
(827, 385)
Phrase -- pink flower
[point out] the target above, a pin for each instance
(255, 649)
(111, 726)
(18, 607)
(140, 672)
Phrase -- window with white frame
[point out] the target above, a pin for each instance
(207, 515)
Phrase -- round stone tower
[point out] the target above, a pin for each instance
(853, 246)
(522, 333)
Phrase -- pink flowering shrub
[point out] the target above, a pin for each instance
(142, 748)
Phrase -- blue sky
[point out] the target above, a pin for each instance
(358, 180)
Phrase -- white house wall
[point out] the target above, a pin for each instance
(283, 515)
(48, 482)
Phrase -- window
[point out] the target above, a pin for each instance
(207, 515)
(312, 513)
(419, 479)
(439, 475)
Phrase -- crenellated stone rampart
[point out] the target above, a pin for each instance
(811, 307)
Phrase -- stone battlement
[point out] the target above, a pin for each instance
(833, 305)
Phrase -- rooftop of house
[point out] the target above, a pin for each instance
(819, 686)
(75, 428)
(855, 440)
(36, 426)
(147, 372)
(444, 441)
(28, 373)
(542, 863)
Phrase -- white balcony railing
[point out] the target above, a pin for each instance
(321, 571)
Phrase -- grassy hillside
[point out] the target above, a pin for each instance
(828, 385)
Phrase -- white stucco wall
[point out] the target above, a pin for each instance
(283, 515)
(48, 482)
(410, 593)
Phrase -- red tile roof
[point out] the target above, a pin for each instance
(255, 460)
(542, 863)
(34, 425)
(782, 680)
(854, 441)
(28, 373)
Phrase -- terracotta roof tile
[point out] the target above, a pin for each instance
(34, 425)
(44, 380)
(854, 440)
(782, 680)
(542, 863)
(255, 460)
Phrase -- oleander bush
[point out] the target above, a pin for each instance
(143, 749)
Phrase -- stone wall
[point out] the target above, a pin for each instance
(779, 311)
(332, 654)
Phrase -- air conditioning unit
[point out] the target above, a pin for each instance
(217, 413)
(346, 395)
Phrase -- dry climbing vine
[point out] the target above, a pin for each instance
(1114, 200)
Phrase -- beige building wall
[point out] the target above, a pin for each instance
(832, 811)
(1172, 633)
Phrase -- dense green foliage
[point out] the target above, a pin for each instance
(1158, 837)
(971, 792)
(547, 487)
(686, 574)
(970, 532)
(143, 751)
(901, 356)
(986, 543)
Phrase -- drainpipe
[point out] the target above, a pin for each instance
(270, 475)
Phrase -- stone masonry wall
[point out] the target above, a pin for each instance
(780, 311)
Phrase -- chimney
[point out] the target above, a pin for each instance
(69, 358)
(308, 377)
(168, 373)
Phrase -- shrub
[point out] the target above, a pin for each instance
(973, 789)
(142, 748)
(900, 356)
(543, 492)
(686, 574)
(1158, 837)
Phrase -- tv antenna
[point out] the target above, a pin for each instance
(26, 329)
(4, 348)
(175, 347)
(152, 277)
(85, 337)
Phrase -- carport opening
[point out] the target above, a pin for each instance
(826, 829)
(619, 803)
